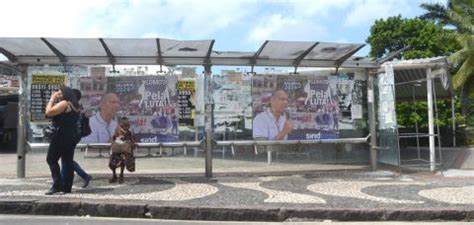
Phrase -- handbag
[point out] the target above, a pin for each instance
(84, 128)
(50, 131)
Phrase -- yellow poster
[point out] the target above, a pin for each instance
(41, 88)
(186, 97)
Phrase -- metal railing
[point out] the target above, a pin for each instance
(200, 144)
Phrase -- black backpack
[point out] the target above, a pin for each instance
(83, 127)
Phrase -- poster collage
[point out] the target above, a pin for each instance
(9, 85)
(157, 105)
(318, 106)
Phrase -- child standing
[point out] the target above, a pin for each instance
(123, 144)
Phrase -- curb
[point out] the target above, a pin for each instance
(128, 210)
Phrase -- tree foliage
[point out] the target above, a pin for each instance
(424, 38)
(457, 14)
(411, 113)
(436, 13)
(464, 58)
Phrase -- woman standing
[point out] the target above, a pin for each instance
(63, 107)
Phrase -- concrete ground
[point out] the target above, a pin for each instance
(243, 189)
(173, 164)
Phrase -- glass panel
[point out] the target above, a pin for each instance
(387, 130)
(145, 97)
(78, 47)
(25, 46)
(319, 107)
(133, 47)
(150, 102)
(175, 48)
(331, 51)
(284, 49)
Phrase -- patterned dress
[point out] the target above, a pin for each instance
(122, 151)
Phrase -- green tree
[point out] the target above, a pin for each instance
(410, 114)
(464, 58)
(425, 38)
(458, 14)
(443, 15)
(436, 13)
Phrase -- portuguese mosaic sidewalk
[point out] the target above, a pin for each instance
(346, 195)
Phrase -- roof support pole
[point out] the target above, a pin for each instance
(160, 57)
(416, 123)
(298, 60)
(453, 116)
(429, 87)
(208, 120)
(21, 128)
(208, 109)
(255, 56)
(372, 129)
(438, 132)
(62, 58)
(9, 55)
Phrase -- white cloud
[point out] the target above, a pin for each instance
(319, 8)
(89, 18)
(277, 27)
(53, 18)
(180, 19)
(367, 11)
(237, 23)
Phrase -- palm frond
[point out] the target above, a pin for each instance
(465, 72)
(436, 13)
(462, 23)
(458, 57)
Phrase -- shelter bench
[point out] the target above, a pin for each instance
(265, 143)
(232, 144)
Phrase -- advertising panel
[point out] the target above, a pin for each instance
(232, 100)
(186, 102)
(150, 102)
(307, 104)
(41, 88)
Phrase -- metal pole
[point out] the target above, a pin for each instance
(208, 119)
(437, 124)
(429, 87)
(196, 129)
(454, 121)
(416, 125)
(372, 130)
(21, 129)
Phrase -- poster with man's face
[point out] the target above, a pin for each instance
(312, 107)
(150, 103)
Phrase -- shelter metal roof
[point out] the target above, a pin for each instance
(411, 75)
(151, 51)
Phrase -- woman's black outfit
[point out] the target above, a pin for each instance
(62, 146)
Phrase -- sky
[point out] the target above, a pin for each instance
(235, 25)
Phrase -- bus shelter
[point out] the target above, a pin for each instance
(413, 80)
(27, 53)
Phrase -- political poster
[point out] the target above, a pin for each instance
(42, 85)
(9, 85)
(312, 106)
(345, 87)
(186, 102)
(150, 102)
(92, 89)
(231, 95)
